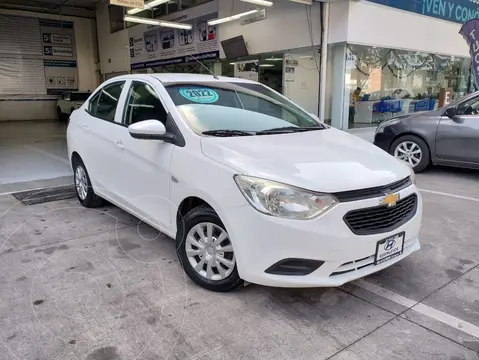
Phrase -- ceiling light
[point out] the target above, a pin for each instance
(141, 20)
(259, 2)
(176, 25)
(147, 6)
(274, 59)
(266, 65)
(305, 57)
(306, 2)
(231, 18)
(146, 21)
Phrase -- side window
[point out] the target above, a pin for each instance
(469, 107)
(142, 104)
(105, 102)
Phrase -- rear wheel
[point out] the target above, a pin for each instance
(413, 150)
(206, 252)
(60, 115)
(83, 188)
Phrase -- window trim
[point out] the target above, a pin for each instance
(98, 92)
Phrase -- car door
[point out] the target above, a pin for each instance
(457, 138)
(100, 131)
(144, 165)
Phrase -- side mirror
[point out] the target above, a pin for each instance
(150, 130)
(451, 113)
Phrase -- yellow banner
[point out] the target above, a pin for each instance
(129, 3)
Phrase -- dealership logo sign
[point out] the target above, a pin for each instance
(129, 3)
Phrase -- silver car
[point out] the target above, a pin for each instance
(447, 136)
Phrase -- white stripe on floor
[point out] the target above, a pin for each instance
(449, 195)
(426, 310)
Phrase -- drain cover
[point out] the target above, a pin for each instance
(34, 197)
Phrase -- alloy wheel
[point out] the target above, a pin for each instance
(409, 152)
(210, 252)
(81, 182)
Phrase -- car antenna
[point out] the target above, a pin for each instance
(206, 67)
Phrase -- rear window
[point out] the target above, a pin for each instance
(79, 96)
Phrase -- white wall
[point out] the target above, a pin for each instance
(362, 22)
(304, 89)
(87, 61)
(286, 26)
(114, 48)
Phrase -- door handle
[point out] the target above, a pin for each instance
(119, 145)
(86, 128)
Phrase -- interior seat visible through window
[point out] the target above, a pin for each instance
(143, 104)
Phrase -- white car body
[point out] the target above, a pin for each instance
(151, 179)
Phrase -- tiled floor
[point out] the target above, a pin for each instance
(32, 154)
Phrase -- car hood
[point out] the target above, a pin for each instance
(326, 160)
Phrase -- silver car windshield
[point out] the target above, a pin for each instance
(235, 106)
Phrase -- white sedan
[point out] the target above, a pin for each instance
(252, 187)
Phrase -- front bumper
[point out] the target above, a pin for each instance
(261, 241)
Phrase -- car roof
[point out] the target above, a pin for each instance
(179, 77)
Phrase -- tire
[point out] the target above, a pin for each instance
(87, 197)
(61, 116)
(413, 144)
(220, 281)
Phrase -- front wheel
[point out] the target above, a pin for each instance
(206, 252)
(413, 150)
(84, 190)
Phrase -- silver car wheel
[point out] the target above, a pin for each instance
(409, 152)
(81, 182)
(210, 252)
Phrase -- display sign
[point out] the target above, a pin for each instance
(445, 96)
(129, 3)
(247, 70)
(458, 11)
(470, 32)
(59, 56)
(153, 46)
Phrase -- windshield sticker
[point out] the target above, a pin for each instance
(200, 95)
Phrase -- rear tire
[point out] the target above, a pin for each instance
(83, 187)
(207, 260)
(61, 116)
(413, 150)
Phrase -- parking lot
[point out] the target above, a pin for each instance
(99, 284)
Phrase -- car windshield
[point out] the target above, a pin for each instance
(79, 96)
(236, 108)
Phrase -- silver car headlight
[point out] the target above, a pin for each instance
(281, 200)
(385, 123)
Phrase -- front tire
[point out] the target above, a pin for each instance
(413, 150)
(206, 252)
(83, 187)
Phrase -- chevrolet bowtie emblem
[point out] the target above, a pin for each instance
(390, 200)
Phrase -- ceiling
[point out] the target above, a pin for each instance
(81, 4)
(83, 8)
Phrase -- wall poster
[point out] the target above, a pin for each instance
(247, 70)
(153, 46)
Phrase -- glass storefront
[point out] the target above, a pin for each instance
(383, 83)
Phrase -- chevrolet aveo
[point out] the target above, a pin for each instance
(252, 187)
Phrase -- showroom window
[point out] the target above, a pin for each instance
(384, 83)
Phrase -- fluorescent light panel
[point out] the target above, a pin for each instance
(306, 2)
(266, 65)
(146, 21)
(259, 2)
(231, 18)
(147, 6)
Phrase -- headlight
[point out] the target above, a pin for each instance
(285, 201)
(385, 123)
